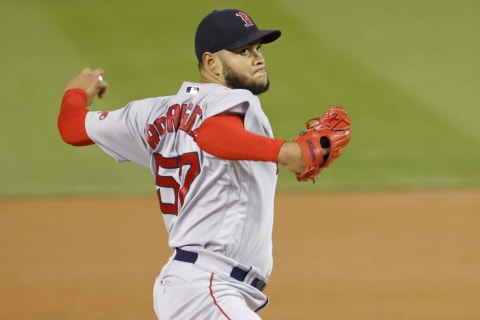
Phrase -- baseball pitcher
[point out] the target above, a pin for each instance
(213, 158)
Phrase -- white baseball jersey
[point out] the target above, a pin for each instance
(219, 205)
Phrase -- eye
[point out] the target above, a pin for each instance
(244, 51)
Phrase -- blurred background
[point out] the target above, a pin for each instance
(81, 236)
(407, 72)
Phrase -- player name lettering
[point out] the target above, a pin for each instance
(178, 118)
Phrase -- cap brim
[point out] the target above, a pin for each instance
(266, 36)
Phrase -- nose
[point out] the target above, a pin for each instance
(258, 57)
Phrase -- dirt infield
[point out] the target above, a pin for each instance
(337, 256)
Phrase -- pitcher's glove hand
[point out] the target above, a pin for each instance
(323, 141)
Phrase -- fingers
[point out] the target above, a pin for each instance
(101, 83)
(92, 75)
(98, 73)
(86, 70)
(103, 87)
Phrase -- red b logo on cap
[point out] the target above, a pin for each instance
(245, 18)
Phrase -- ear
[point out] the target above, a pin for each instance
(211, 62)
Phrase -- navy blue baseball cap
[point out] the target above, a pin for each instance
(229, 29)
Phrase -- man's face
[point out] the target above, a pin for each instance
(244, 68)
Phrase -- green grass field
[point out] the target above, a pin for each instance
(407, 71)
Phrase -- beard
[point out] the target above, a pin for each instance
(235, 80)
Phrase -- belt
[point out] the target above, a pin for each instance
(236, 272)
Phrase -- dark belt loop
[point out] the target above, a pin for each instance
(238, 274)
(259, 284)
(185, 256)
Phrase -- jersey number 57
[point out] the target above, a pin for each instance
(169, 171)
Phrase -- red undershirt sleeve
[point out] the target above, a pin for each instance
(225, 137)
(71, 119)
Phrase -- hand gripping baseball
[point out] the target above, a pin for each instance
(92, 82)
(323, 141)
